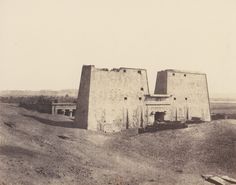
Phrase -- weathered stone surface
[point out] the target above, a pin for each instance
(118, 99)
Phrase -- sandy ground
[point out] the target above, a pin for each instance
(39, 149)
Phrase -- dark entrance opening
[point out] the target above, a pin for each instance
(60, 111)
(67, 112)
(73, 112)
(159, 116)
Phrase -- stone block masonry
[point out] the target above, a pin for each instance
(118, 99)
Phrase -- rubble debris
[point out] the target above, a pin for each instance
(218, 116)
(162, 126)
(229, 179)
(63, 137)
(219, 180)
(10, 124)
(214, 179)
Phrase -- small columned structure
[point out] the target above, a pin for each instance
(67, 109)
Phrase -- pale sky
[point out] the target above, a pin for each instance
(44, 43)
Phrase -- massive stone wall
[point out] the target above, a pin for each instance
(189, 94)
(117, 99)
(82, 107)
(111, 100)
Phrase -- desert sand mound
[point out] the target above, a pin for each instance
(44, 149)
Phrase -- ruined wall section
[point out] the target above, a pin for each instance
(190, 96)
(116, 99)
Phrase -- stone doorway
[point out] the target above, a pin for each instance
(159, 116)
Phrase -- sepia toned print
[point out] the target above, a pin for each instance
(126, 92)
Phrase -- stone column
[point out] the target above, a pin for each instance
(71, 113)
(53, 110)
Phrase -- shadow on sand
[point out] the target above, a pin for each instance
(66, 124)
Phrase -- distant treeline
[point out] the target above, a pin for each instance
(39, 103)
